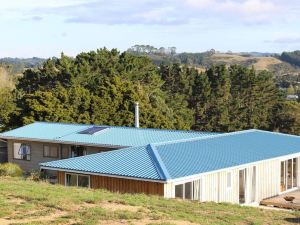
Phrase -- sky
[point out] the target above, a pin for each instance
(45, 28)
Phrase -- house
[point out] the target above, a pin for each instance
(240, 167)
(292, 97)
(40, 142)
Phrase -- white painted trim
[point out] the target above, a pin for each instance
(285, 161)
(104, 175)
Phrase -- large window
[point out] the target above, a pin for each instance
(77, 180)
(50, 151)
(289, 173)
(189, 190)
(21, 151)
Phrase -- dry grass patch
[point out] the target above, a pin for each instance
(39, 203)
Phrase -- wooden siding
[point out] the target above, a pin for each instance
(61, 177)
(127, 185)
(121, 185)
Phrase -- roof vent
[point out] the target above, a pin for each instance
(92, 130)
(137, 115)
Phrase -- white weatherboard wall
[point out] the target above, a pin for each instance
(214, 185)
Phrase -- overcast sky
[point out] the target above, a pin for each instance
(45, 28)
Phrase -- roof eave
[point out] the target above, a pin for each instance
(64, 142)
(102, 174)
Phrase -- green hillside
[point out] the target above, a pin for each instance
(28, 202)
(280, 65)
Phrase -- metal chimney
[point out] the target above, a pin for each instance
(137, 115)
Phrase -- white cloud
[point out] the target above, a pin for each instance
(16, 9)
(247, 10)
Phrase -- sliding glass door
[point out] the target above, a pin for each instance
(288, 174)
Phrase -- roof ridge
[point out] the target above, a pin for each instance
(203, 138)
(158, 163)
(279, 133)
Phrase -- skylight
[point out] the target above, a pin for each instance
(92, 130)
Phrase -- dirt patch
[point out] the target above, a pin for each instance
(52, 216)
(112, 206)
(144, 222)
(16, 201)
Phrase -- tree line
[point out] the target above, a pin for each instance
(101, 86)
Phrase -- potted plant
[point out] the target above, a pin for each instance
(289, 198)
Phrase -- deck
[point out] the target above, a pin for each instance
(280, 202)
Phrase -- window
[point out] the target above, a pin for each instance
(188, 190)
(184, 191)
(65, 152)
(50, 151)
(179, 191)
(21, 151)
(78, 151)
(92, 130)
(83, 181)
(71, 180)
(77, 180)
(229, 180)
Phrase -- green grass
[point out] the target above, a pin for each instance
(28, 202)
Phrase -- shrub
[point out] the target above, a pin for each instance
(37, 176)
(10, 169)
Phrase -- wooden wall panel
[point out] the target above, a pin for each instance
(121, 185)
(61, 177)
(126, 185)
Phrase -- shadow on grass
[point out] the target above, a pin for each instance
(293, 220)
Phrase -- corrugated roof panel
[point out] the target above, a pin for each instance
(115, 136)
(43, 130)
(189, 157)
(223, 151)
(131, 162)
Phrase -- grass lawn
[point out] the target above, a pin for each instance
(28, 202)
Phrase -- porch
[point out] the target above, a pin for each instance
(280, 202)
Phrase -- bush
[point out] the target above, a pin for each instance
(37, 176)
(10, 169)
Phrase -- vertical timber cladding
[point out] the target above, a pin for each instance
(121, 185)
(127, 186)
(61, 177)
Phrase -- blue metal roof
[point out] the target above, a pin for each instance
(183, 158)
(224, 151)
(112, 136)
(131, 162)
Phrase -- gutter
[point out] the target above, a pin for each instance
(65, 142)
(102, 174)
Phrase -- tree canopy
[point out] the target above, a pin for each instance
(100, 87)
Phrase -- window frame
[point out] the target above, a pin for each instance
(78, 174)
(57, 152)
(21, 143)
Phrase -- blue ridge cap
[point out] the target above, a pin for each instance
(161, 168)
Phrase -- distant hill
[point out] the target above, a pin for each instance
(287, 64)
(16, 66)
